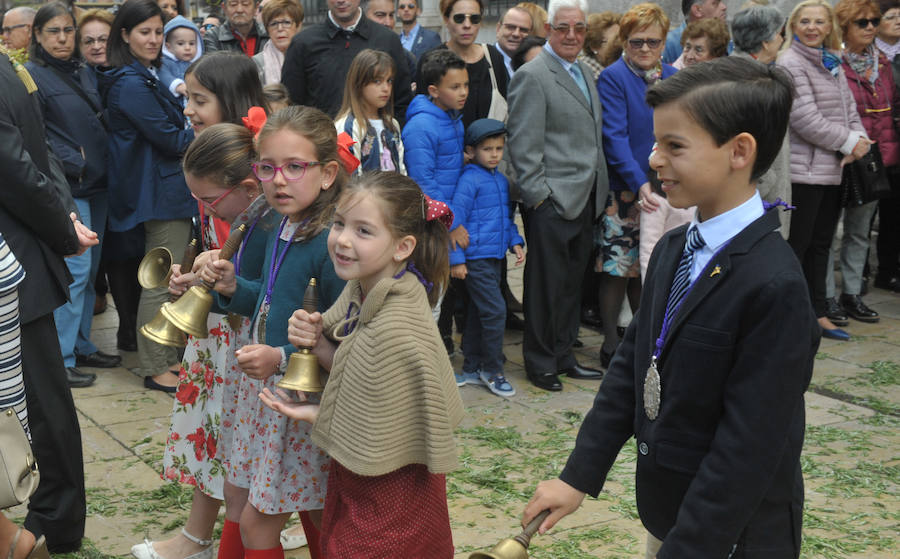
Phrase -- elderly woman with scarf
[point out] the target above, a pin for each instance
(76, 131)
(824, 121)
(872, 83)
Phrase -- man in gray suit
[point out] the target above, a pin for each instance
(555, 145)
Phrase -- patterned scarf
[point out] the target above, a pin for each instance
(865, 65)
(650, 76)
(830, 61)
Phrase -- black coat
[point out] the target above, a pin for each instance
(718, 471)
(318, 59)
(34, 218)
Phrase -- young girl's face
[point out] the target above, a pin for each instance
(288, 151)
(202, 105)
(224, 202)
(362, 246)
(377, 94)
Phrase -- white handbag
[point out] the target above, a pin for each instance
(18, 470)
(499, 109)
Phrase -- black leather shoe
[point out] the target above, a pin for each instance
(891, 283)
(605, 358)
(77, 379)
(582, 372)
(858, 310)
(546, 381)
(98, 359)
(513, 322)
(835, 313)
(591, 317)
(153, 385)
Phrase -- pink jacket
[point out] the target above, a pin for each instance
(876, 107)
(824, 120)
(656, 224)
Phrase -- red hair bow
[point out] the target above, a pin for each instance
(348, 160)
(255, 120)
(435, 209)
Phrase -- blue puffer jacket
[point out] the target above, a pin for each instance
(433, 144)
(146, 141)
(481, 201)
(171, 73)
(72, 126)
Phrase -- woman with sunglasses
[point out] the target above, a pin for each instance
(627, 140)
(826, 133)
(462, 18)
(872, 84)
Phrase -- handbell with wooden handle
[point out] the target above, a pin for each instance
(159, 329)
(514, 548)
(189, 313)
(303, 367)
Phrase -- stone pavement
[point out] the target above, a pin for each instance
(851, 459)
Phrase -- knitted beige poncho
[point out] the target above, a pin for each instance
(391, 399)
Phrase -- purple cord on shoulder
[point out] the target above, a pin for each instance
(412, 268)
(778, 202)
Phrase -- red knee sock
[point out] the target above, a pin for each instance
(312, 535)
(230, 544)
(272, 553)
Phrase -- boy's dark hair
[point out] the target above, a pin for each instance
(130, 15)
(730, 95)
(436, 63)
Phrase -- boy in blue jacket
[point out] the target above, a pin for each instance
(481, 203)
(183, 46)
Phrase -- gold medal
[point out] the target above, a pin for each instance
(261, 324)
(652, 391)
(234, 321)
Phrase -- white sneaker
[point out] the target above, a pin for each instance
(292, 541)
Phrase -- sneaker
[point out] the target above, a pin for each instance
(465, 378)
(498, 385)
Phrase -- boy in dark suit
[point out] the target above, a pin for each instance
(711, 374)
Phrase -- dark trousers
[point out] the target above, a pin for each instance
(485, 317)
(813, 224)
(888, 244)
(58, 507)
(558, 250)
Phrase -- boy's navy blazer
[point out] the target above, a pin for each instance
(718, 471)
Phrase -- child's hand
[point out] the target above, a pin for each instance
(459, 271)
(259, 361)
(459, 237)
(220, 273)
(181, 90)
(297, 408)
(179, 283)
(304, 329)
(204, 257)
(647, 200)
(520, 254)
(556, 495)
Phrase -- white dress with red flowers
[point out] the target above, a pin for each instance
(200, 434)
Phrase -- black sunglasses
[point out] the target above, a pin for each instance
(474, 18)
(862, 23)
(639, 43)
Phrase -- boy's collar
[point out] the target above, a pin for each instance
(718, 230)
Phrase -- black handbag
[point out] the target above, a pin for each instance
(864, 180)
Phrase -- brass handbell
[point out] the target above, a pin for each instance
(514, 548)
(189, 313)
(155, 268)
(159, 329)
(303, 367)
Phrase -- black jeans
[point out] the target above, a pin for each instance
(813, 224)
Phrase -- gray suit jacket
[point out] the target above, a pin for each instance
(555, 139)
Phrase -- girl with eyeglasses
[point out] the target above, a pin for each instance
(272, 462)
(627, 140)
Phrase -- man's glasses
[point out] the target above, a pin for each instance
(11, 28)
(580, 28)
(862, 23)
(211, 206)
(406, 6)
(511, 28)
(91, 41)
(638, 44)
(291, 171)
(459, 18)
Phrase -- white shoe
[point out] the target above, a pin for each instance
(292, 541)
(145, 550)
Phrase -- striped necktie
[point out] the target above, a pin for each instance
(682, 281)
